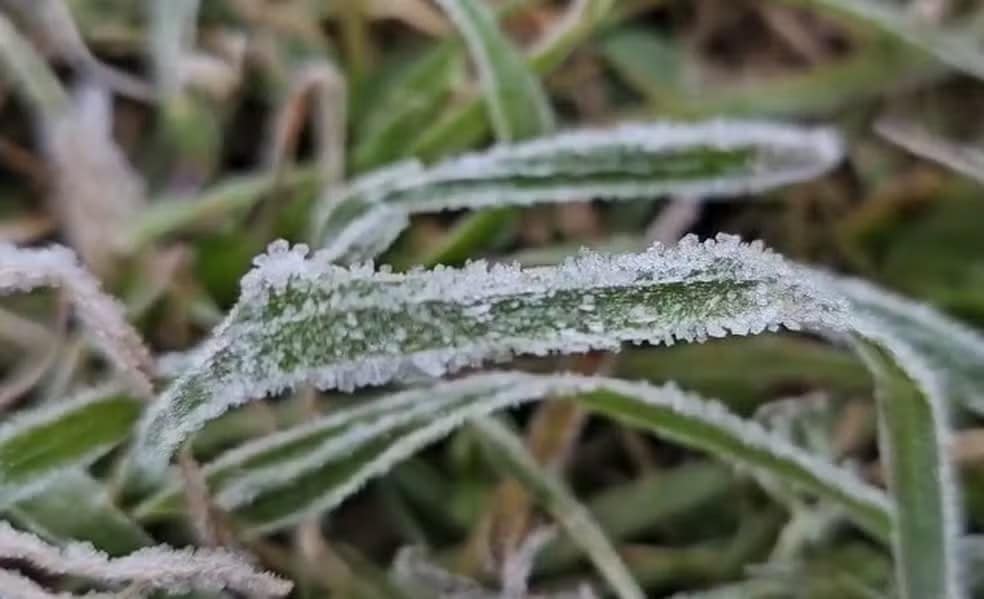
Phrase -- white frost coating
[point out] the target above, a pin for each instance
(483, 394)
(22, 270)
(952, 349)
(913, 362)
(96, 191)
(368, 236)
(21, 422)
(562, 167)
(746, 290)
(169, 570)
(15, 586)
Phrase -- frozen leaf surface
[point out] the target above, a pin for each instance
(274, 482)
(169, 570)
(710, 160)
(305, 320)
(22, 270)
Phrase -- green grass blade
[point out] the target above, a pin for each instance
(506, 449)
(710, 160)
(415, 96)
(957, 49)
(39, 444)
(468, 125)
(275, 481)
(953, 351)
(301, 320)
(913, 447)
(518, 106)
(22, 66)
(75, 506)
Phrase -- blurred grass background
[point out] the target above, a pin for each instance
(169, 141)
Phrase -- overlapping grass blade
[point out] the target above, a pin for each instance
(273, 482)
(519, 110)
(76, 507)
(38, 445)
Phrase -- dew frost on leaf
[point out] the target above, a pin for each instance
(305, 320)
(276, 481)
(22, 270)
(169, 570)
(709, 160)
(954, 352)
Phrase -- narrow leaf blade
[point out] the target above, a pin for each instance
(305, 320)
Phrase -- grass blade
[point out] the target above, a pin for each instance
(38, 445)
(273, 482)
(504, 447)
(75, 506)
(518, 106)
(711, 160)
(173, 571)
(913, 445)
(953, 351)
(955, 48)
(302, 320)
(519, 110)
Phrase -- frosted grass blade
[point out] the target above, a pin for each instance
(39, 444)
(951, 350)
(273, 482)
(23, 270)
(170, 570)
(710, 160)
(913, 440)
(519, 110)
(309, 321)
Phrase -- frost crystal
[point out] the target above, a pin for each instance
(170, 570)
(26, 269)
(710, 160)
(293, 323)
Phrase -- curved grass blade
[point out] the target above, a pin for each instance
(709, 160)
(38, 445)
(22, 65)
(160, 567)
(56, 266)
(75, 506)
(505, 448)
(468, 124)
(310, 321)
(519, 110)
(415, 96)
(518, 106)
(273, 482)
(958, 49)
(913, 437)
(951, 350)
